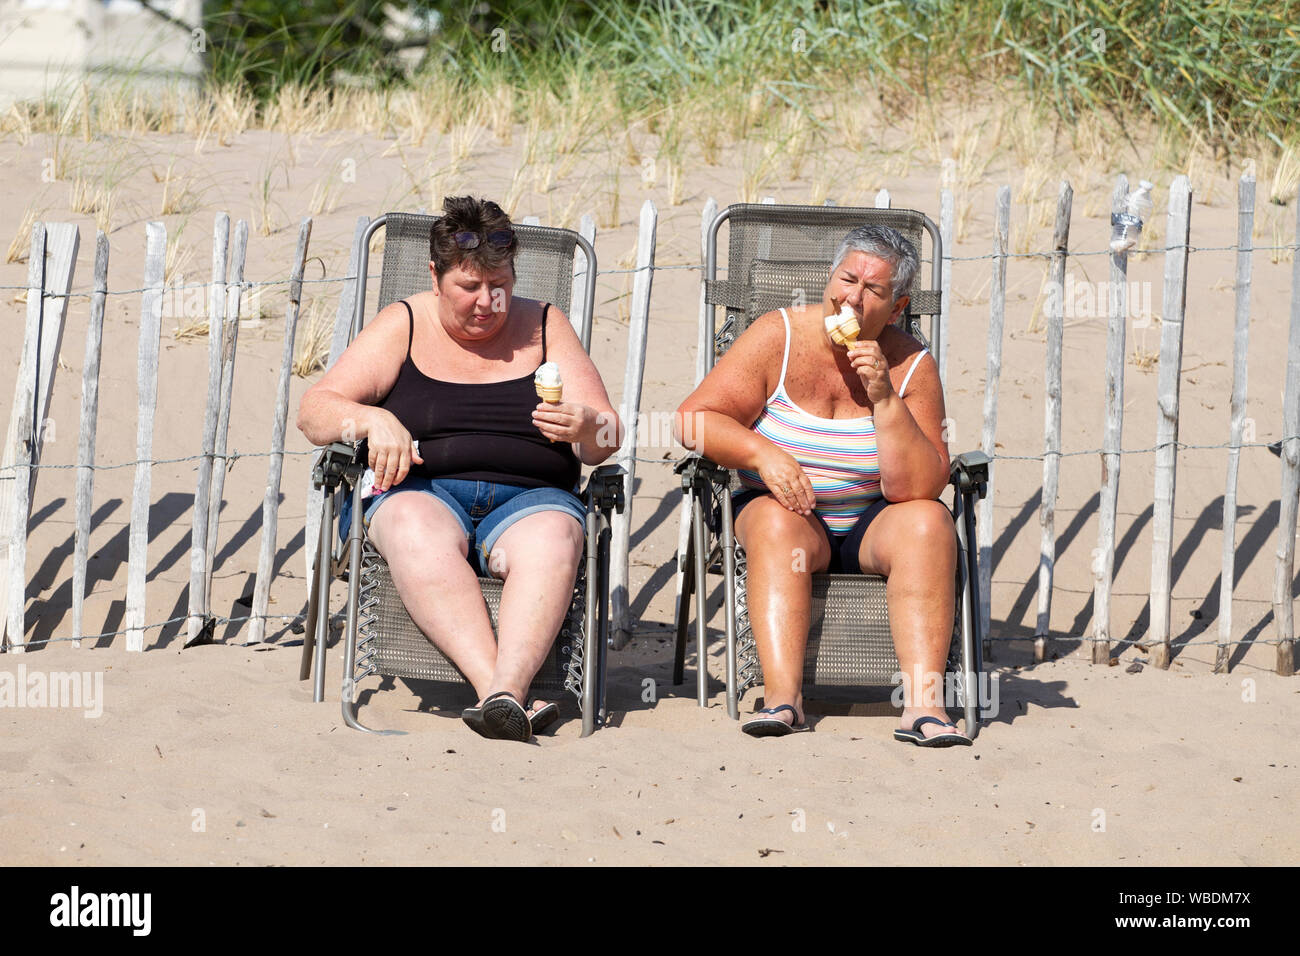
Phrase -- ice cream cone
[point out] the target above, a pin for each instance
(842, 325)
(848, 332)
(552, 395)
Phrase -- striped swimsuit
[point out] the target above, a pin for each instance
(837, 454)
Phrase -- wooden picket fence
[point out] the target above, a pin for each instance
(50, 274)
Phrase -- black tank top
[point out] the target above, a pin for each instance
(479, 431)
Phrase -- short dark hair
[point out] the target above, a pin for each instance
(466, 214)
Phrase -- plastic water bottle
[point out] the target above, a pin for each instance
(1125, 227)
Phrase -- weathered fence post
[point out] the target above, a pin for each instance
(621, 521)
(703, 351)
(50, 268)
(1103, 558)
(146, 404)
(275, 466)
(997, 312)
(1052, 415)
(198, 625)
(1173, 310)
(945, 288)
(1286, 526)
(86, 440)
(1240, 341)
(229, 341)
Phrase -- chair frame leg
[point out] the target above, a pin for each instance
(970, 610)
(592, 633)
(604, 549)
(701, 601)
(348, 702)
(687, 573)
(313, 607)
(322, 621)
(729, 604)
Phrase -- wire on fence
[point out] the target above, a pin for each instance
(689, 267)
(230, 458)
(234, 456)
(339, 616)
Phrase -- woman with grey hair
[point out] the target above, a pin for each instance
(837, 435)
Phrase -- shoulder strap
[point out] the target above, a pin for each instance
(410, 335)
(545, 308)
(785, 358)
(917, 361)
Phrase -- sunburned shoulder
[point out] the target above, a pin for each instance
(760, 334)
(898, 345)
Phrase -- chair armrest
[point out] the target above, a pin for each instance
(695, 470)
(606, 487)
(969, 472)
(336, 463)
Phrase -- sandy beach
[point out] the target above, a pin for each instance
(216, 755)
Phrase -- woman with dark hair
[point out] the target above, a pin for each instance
(472, 473)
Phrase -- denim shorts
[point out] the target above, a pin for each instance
(485, 509)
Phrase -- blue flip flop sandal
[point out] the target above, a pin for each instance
(915, 736)
(773, 726)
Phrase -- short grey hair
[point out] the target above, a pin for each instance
(888, 244)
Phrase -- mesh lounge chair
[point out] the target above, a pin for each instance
(379, 635)
(777, 255)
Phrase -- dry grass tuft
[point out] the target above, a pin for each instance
(175, 199)
(1036, 208)
(609, 215)
(262, 199)
(758, 164)
(1281, 236)
(516, 192)
(313, 346)
(464, 136)
(96, 199)
(20, 246)
(298, 109)
(1286, 176)
(177, 257)
(501, 114)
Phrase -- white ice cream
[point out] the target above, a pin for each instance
(835, 321)
(548, 376)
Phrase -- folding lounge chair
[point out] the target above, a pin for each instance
(379, 635)
(777, 255)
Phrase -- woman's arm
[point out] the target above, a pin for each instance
(342, 405)
(912, 449)
(585, 417)
(716, 419)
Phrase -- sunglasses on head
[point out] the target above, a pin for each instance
(501, 238)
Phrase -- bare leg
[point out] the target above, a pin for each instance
(912, 543)
(782, 550)
(537, 558)
(425, 548)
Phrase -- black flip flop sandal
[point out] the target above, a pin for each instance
(915, 736)
(504, 718)
(544, 717)
(773, 726)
